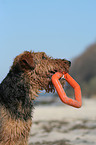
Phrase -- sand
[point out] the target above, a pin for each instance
(64, 125)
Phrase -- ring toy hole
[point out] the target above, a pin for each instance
(77, 102)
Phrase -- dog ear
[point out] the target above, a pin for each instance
(26, 61)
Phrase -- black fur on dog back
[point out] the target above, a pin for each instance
(13, 91)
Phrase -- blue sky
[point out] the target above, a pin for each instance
(61, 28)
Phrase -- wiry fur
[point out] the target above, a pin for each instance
(29, 73)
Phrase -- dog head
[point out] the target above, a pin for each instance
(38, 69)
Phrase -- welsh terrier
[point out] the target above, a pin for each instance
(29, 73)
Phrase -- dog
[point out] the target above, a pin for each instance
(30, 73)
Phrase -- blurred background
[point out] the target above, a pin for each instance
(62, 29)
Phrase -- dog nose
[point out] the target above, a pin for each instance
(69, 63)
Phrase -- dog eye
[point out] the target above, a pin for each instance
(43, 57)
(24, 61)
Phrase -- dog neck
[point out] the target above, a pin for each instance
(14, 95)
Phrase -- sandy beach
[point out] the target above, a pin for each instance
(64, 125)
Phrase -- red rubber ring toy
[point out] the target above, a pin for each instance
(77, 102)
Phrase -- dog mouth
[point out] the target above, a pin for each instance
(50, 87)
(52, 72)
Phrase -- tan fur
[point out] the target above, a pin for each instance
(12, 130)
